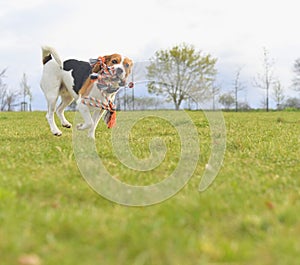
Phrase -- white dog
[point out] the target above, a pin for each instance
(93, 85)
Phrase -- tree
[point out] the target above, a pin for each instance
(3, 91)
(11, 98)
(237, 87)
(292, 103)
(278, 94)
(265, 80)
(215, 91)
(227, 100)
(296, 79)
(181, 73)
(244, 106)
(26, 90)
(148, 103)
(8, 97)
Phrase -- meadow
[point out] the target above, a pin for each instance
(249, 215)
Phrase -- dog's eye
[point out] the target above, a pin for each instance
(114, 61)
(126, 65)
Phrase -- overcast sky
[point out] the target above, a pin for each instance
(233, 31)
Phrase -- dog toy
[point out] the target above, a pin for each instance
(130, 84)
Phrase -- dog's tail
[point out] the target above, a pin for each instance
(48, 52)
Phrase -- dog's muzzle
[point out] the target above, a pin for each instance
(119, 71)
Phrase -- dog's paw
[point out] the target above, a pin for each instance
(79, 126)
(91, 136)
(57, 133)
(83, 126)
(67, 125)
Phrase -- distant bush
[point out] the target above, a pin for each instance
(292, 104)
(290, 109)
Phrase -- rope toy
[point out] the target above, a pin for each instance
(110, 116)
(107, 77)
(107, 83)
(97, 103)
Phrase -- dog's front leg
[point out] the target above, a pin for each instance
(86, 114)
(98, 113)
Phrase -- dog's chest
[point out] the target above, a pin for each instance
(101, 94)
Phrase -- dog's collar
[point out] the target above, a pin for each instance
(99, 61)
(107, 80)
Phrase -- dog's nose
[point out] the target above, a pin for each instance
(119, 71)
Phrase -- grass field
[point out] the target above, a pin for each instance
(249, 215)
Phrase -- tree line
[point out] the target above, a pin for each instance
(15, 98)
(186, 74)
(267, 82)
(180, 75)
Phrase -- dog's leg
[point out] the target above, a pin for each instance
(50, 84)
(66, 100)
(86, 114)
(96, 118)
(50, 115)
(51, 94)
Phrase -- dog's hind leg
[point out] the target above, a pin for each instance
(51, 91)
(51, 100)
(66, 100)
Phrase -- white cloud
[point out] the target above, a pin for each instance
(8, 7)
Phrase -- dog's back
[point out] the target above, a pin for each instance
(80, 72)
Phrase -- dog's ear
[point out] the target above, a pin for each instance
(128, 64)
(96, 68)
(107, 58)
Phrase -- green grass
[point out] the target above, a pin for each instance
(249, 215)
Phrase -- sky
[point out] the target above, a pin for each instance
(235, 32)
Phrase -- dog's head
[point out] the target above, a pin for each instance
(122, 65)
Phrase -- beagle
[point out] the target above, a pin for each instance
(73, 79)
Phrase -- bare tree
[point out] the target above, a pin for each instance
(238, 86)
(8, 97)
(3, 91)
(11, 99)
(26, 90)
(265, 80)
(278, 94)
(296, 79)
(216, 89)
(262, 103)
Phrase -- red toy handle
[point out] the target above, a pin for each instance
(130, 84)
